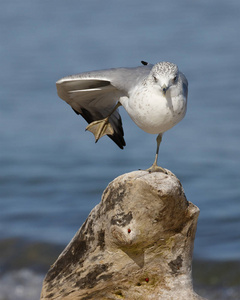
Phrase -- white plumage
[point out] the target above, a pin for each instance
(155, 97)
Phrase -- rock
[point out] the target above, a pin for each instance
(137, 243)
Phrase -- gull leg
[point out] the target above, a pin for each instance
(102, 127)
(155, 167)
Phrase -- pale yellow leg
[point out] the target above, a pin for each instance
(102, 127)
(155, 167)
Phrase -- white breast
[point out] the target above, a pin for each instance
(154, 112)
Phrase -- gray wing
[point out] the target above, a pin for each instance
(94, 94)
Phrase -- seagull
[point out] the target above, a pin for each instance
(154, 96)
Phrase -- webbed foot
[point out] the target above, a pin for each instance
(155, 168)
(100, 128)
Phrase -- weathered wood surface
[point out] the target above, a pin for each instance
(136, 244)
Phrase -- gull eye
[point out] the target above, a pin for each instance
(155, 78)
(175, 78)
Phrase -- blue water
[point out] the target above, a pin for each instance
(51, 171)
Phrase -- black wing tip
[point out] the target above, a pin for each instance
(144, 63)
(118, 140)
(117, 136)
(75, 111)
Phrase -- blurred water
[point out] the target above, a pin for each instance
(52, 174)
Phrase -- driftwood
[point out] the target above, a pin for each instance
(136, 244)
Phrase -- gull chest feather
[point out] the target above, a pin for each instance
(154, 112)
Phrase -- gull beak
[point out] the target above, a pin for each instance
(164, 89)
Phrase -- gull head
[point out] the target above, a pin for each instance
(164, 75)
